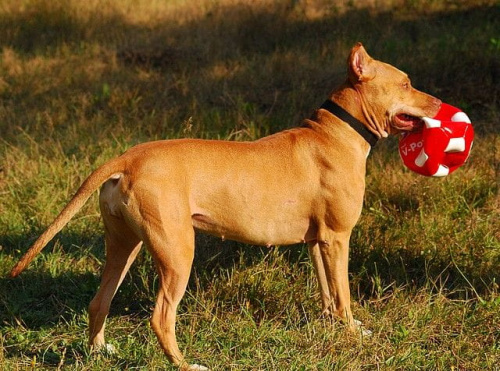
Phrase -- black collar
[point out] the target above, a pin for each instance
(342, 114)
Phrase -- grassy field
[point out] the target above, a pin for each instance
(80, 82)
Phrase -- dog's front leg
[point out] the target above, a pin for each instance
(334, 252)
(333, 274)
(319, 268)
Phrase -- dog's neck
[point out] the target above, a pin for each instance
(345, 116)
(351, 101)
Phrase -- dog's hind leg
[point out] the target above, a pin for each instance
(122, 247)
(173, 253)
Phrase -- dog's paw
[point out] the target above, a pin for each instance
(365, 332)
(196, 367)
(106, 349)
(103, 348)
(362, 329)
(109, 349)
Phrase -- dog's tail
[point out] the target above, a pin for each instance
(90, 185)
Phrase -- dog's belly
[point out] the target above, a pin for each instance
(266, 232)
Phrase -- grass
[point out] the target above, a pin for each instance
(80, 82)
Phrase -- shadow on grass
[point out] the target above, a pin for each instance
(453, 54)
(39, 298)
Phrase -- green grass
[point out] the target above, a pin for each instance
(80, 82)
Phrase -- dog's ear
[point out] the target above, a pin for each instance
(359, 65)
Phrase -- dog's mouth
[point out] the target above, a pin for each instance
(407, 122)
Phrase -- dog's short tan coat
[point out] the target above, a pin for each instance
(300, 185)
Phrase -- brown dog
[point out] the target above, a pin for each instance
(300, 185)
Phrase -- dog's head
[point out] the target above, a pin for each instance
(388, 101)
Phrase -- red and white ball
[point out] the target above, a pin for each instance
(442, 146)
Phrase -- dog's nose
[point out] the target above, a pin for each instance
(437, 103)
